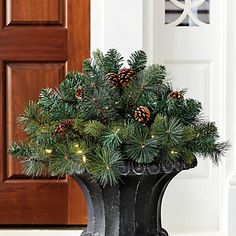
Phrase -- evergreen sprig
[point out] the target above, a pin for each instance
(168, 131)
(100, 118)
(141, 147)
(105, 166)
(138, 60)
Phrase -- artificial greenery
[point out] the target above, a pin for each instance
(108, 114)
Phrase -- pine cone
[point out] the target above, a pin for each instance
(142, 114)
(122, 79)
(113, 79)
(176, 94)
(79, 93)
(63, 127)
(126, 76)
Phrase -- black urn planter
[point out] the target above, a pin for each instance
(131, 208)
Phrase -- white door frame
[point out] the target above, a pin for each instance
(230, 168)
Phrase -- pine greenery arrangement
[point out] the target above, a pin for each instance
(107, 115)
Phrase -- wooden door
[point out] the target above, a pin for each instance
(39, 41)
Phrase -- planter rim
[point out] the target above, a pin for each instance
(132, 168)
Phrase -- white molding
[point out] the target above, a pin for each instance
(223, 195)
(232, 180)
(231, 86)
(148, 29)
(97, 25)
(232, 208)
(216, 233)
(230, 170)
(75, 232)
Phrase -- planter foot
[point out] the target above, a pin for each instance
(85, 233)
(164, 232)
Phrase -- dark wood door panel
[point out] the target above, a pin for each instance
(33, 44)
(26, 78)
(46, 203)
(35, 12)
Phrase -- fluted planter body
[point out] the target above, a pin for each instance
(131, 208)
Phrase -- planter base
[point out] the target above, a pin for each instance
(131, 208)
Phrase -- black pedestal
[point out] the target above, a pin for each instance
(133, 207)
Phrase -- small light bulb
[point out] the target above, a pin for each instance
(80, 151)
(84, 158)
(143, 146)
(152, 136)
(108, 168)
(117, 131)
(77, 145)
(173, 152)
(48, 151)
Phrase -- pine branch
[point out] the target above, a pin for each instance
(155, 73)
(218, 150)
(105, 166)
(99, 60)
(68, 87)
(186, 156)
(111, 139)
(113, 61)
(68, 159)
(186, 110)
(32, 119)
(141, 148)
(55, 107)
(19, 150)
(168, 132)
(100, 105)
(94, 128)
(138, 60)
(90, 69)
(35, 167)
(79, 125)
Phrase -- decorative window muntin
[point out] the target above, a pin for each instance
(187, 12)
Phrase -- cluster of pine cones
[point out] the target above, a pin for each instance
(122, 79)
